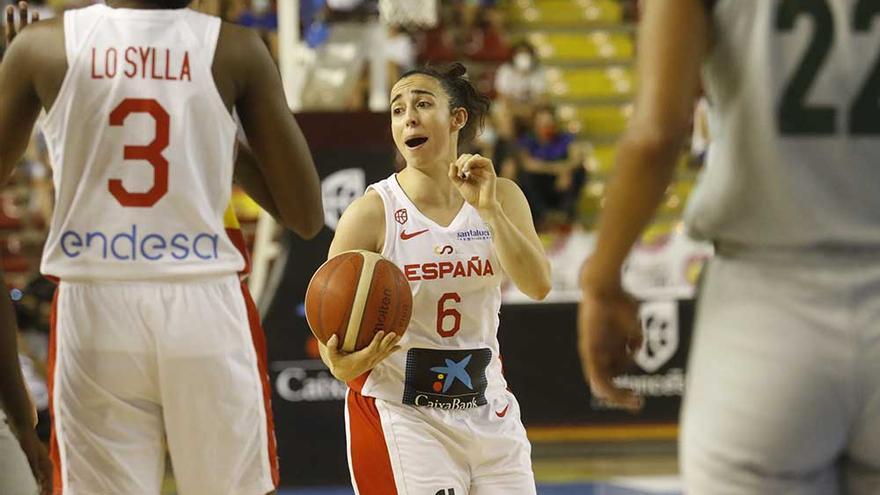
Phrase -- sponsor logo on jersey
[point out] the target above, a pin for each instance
(446, 491)
(503, 412)
(136, 245)
(400, 216)
(446, 378)
(404, 236)
(473, 235)
(447, 249)
(474, 267)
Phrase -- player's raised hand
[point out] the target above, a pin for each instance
(609, 336)
(474, 175)
(346, 366)
(23, 20)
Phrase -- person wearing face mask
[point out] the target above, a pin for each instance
(552, 173)
(520, 85)
(522, 79)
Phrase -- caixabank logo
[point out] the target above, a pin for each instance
(446, 378)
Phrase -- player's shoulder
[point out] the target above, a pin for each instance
(238, 53)
(362, 226)
(368, 208)
(36, 31)
(37, 42)
(237, 40)
(507, 190)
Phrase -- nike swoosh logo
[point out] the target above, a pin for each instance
(503, 412)
(404, 236)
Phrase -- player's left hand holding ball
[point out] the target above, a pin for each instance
(474, 175)
(346, 366)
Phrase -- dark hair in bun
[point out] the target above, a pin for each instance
(461, 93)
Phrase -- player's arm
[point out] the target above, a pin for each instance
(517, 244)
(19, 108)
(362, 226)
(250, 178)
(668, 65)
(283, 157)
(503, 206)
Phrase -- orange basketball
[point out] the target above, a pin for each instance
(356, 294)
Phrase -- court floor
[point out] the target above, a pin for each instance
(577, 468)
(623, 486)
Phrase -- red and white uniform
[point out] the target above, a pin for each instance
(442, 396)
(155, 340)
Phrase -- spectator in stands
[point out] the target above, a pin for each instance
(520, 87)
(521, 80)
(552, 172)
(483, 36)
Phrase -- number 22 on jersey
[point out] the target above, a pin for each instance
(795, 117)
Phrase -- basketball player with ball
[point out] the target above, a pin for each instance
(428, 410)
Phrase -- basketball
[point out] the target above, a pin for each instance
(356, 294)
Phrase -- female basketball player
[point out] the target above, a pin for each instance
(783, 390)
(438, 418)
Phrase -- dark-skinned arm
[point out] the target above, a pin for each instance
(282, 155)
(250, 178)
(19, 108)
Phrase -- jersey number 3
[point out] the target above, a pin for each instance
(795, 116)
(151, 153)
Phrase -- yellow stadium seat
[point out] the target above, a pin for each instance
(601, 82)
(592, 46)
(565, 12)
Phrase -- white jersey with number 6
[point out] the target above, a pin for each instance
(455, 278)
(142, 149)
(795, 157)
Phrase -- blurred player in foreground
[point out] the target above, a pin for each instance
(783, 392)
(154, 339)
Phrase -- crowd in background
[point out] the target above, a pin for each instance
(524, 136)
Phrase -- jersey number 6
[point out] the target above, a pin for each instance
(151, 153)
(443, 313)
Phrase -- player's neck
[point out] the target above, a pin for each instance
(133, 4)
(430, 186)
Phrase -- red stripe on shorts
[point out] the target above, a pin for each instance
(370, 462)
(54, 453)
(237, 237)
(259, 340)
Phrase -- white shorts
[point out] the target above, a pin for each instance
(138, 367)
(16, 477)
(783, 393)
(397, 449)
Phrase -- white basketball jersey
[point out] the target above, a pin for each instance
(142, 149)
(455, 277)
(795, 116)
